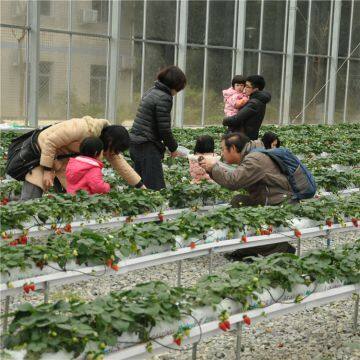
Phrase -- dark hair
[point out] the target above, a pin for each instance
(237, 139)
(256, 81)
(268, 138)
(238, 79)
(204, 144)
(172, 77)
(115, 138)
(91, 146)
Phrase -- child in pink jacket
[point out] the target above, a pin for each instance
(234, 96)
(84, 172)
(204, 147)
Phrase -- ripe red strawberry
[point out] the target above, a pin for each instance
(13, 243)
(355, 222)
(23, 240)
(26, 288)
(67, 228)
(4, 201)
(222, 326)
(264, 232)
(192, 245)
(247, 320)
(297, 233)
(32, 287)
(227, 324)
(244, 239)
(177, 341)
(161, 217)
(109, 262)
(115, 267)
(329, 223)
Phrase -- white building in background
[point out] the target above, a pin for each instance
(98, 57)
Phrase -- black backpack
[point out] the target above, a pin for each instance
(24, 155)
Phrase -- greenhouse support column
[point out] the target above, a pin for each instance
(114, 60)
(34, 57)
(181, 60)
(240, 38)
(333, 62)
(289, 62)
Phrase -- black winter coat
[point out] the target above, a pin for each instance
(153, 121)
(249, 118)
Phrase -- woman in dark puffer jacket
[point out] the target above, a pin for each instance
(151, 132)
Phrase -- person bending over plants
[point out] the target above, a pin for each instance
(51, 148)
(258, 174)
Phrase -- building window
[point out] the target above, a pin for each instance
(45, 7)
(45, 82)
(102, 7)
(98, 84)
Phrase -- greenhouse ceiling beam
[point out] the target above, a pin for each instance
(240, 37)
(129, 265)
(335, 37)
(77, 33)
(181, 60)
(289, 63)
(34, 58)
(113, 68)
(211, 329)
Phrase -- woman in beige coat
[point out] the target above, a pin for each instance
(65, 138)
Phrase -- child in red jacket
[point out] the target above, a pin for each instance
(84, 172)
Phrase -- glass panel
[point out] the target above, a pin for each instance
(196, 22)
(252, 24)
(13, 75)
(194, 87)
(356, 30)
(156, 58)
(129, 88)
(90, 16)
(301, 24)
(271, 67)
(250, 63)
(297, 90)
(344, 27)
(319, 28)
(220, 31)
(340, 94)
(353, 104)
(316, 79)
(273, 25)
(161, 20)
(13, 12)
(218, 79)
(54, 14)
(53, 76)
(131, 22)
(88, 76)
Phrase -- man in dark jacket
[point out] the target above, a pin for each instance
(151, 132)
(249, 118)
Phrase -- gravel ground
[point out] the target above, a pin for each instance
(321, 333)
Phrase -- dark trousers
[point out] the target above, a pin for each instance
(30, 191)
(147, 159)
(265, 250)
